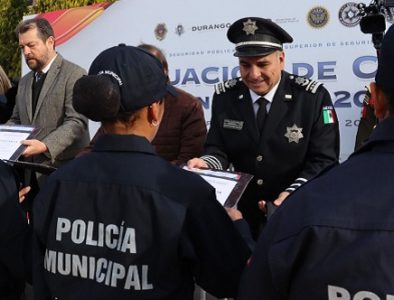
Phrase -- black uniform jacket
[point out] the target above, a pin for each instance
(334, 237)
(13, 236)
(122, 223)
(296, 144)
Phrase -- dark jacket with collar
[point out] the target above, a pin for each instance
(176, 231)
(334, 237)
(296, 143)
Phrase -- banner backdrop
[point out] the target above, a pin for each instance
(328, 45)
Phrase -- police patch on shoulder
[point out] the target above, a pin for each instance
(309, 85)
(227, 85)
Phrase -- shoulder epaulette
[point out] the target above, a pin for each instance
(308, 84)
(226, 85)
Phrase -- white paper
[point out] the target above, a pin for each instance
(223, 182)
(222, 186)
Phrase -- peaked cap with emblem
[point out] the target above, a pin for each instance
(254, 36)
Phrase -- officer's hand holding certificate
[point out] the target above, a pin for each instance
(10, 140)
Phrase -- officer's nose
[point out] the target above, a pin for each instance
(255, 72)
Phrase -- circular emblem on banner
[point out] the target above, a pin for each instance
(318, 17)
(161, 31)
(179, 30)
(349, 14)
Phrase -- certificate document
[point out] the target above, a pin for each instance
(229, 186)
(10, 140)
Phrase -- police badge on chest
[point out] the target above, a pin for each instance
(294, 134)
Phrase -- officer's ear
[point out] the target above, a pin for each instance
(380, 102)
(281, 59)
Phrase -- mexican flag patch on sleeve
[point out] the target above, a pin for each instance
(329, 115)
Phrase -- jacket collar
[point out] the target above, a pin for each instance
(123, 143)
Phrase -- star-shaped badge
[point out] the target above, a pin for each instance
(250, 27)
(294, 134)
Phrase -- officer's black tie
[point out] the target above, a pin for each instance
(261, 113)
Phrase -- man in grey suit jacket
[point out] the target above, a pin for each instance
(44, 98)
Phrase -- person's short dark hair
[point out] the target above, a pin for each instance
(157, 53)
(44, 28)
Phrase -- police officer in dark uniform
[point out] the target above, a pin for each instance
(279, 127)
(121, 222)
(338, 238)
(13, 237)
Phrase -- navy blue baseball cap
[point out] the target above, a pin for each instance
(138, 73)
(254, 36)
(385, 74)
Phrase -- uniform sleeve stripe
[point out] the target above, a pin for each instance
(212, 162)
(300, 179)
(296, 184)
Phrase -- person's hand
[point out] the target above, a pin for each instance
(234, 213)
(23, 192)
(33, 147)
(263, 206)
(282, 196)
(277, 202)
(197, 163)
